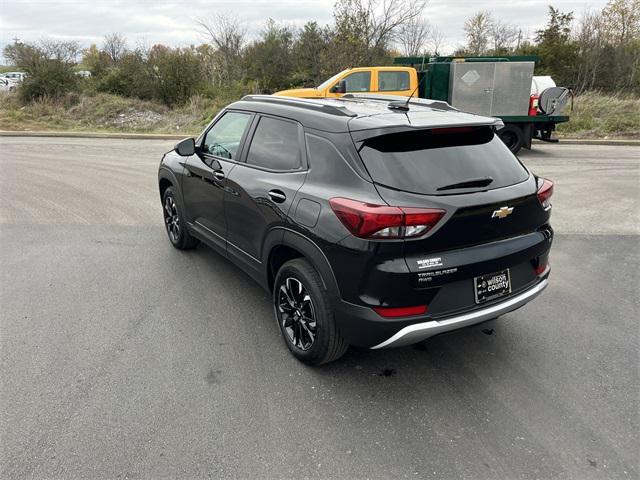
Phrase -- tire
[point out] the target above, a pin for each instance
(174, 222)
(512, 136)
(292, 305)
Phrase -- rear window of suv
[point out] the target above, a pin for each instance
(431, 162)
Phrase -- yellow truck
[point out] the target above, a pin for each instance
(387, 80)
(500, 87)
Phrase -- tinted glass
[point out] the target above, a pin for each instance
(223, 140)
(423, 161)
(358, 82)
(275, 145)
(389, 81)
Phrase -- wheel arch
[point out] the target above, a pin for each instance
(164, 183)
(166, 179)
(292, 244)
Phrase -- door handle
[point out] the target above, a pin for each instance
(219, 174)
(277, 196)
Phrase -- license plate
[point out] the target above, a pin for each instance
(493, 285)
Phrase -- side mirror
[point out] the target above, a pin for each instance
(186, 147)
(340, 87)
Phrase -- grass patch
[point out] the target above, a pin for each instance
(595, 115)
(598, 115)
(107, 113)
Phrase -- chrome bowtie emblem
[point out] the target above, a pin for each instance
(502, 212)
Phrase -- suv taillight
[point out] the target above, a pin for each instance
(545, 190)
(368, 220)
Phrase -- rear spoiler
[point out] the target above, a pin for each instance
(438, 114)
(362, 135)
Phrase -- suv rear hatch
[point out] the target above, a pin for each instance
(493, 221)
(466, 171)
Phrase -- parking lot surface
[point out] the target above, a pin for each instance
(122, 357)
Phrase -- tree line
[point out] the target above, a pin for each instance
(599, 50)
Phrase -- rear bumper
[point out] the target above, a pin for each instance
(362, 327)
(420, 331)
(388, 277)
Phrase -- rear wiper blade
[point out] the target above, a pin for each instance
(471, 183)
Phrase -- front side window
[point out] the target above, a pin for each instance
(358, 82)
(223, 140)
(393, 81)
(275, 145)
(330, 81)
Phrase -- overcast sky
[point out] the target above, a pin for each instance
(172, 22)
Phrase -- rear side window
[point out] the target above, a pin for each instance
(393, 81)
(275, 145)
(433, 161)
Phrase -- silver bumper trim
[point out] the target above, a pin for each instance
(420, 331)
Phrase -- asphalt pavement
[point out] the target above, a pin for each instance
(121, 357)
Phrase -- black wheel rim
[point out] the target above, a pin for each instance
(296, 313)
(171, 219)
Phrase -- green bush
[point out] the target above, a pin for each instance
(52, 79)
(169, 75)
(116, 82)
(176, 74)
(49, 68)
(96, 61)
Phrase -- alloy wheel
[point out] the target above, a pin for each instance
(296, 313)
(171, 219)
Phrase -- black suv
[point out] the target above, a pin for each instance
(372, 222)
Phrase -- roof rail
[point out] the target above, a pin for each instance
(461, 58)
(421, 102)
(310, 104)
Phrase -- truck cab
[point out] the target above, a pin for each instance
(388, 80)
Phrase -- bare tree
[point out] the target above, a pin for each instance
(387, 17)
(373, 24)
(478, 30)
(503, 36)
(115, 45)
(66, 52)
(413, 36)
(590, 38)
(621, 23)
(227, 35)
(623, 20)
(31, 56)
(436, 40)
